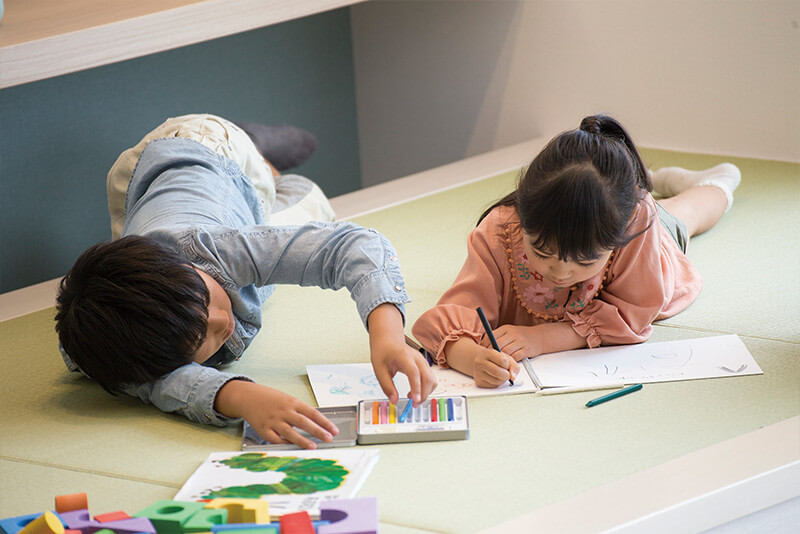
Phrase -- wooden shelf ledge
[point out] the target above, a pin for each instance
(40, 39)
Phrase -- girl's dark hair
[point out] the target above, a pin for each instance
(131, 311)
(578, 194)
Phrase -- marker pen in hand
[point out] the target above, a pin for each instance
(490, 334)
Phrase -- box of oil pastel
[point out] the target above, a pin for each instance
(378, 421)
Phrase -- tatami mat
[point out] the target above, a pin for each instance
(63, 434)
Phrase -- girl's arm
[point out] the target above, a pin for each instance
(528, 341)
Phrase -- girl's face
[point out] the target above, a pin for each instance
(562, 273)
(221, 322)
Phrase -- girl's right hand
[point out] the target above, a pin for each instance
(492, 369)
(274, 415)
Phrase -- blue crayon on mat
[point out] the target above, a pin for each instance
(613, 395)
(406, 411)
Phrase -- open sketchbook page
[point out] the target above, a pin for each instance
(290, 481)
(345, 384)
(688, 359)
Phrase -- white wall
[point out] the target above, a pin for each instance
(437, 81)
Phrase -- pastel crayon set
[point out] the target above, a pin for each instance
(378, 421)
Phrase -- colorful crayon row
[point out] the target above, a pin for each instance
(430, 411)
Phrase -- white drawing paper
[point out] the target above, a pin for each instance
(689, 359)
(347, 383)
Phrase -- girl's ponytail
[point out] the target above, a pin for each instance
(610, 128)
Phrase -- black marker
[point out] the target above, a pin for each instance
(489, 333)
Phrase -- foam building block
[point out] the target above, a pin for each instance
(248, 528)
(243, 510)
(111, 516)
(72, 501)
(297, 523)
(168, 516)
(131, 525)
(12, 525)
(79, 520)
(204, 520)
(349, 516)
(47, 523)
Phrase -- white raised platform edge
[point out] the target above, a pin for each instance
(40, 296)
(46, 38)
(693, 493)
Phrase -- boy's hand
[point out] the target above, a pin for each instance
(274, 415)
(390, 354)
(491, 369)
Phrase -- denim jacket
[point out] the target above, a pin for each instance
(202, 205)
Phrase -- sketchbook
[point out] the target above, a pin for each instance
(346, 384)
(666, 361)
(690, 359)
(290, 481)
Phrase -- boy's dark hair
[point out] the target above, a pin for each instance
(578, 194)
(131, 311)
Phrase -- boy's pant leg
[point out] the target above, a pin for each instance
(216, 133)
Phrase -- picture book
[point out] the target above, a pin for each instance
(689, 359)
(290, 480)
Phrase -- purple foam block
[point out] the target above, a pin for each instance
(132, 525)
(79, 520)
(350, 516)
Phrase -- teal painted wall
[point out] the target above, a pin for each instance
(59, 137)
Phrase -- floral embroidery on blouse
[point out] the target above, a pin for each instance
(538, 293)
(523, 268)
(539, 299)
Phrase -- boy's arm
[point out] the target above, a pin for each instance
(390, 354)
(274, 415)
(189, 390)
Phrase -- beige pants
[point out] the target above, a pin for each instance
(226, 139)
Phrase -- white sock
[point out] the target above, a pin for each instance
(669, 181)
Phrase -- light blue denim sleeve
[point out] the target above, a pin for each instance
(189, 390)
(327, 255)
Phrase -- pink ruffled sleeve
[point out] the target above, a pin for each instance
(640, 284)
(479, 283)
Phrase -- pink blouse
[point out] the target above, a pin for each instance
(648, 279)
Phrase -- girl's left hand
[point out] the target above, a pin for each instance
(517, 341)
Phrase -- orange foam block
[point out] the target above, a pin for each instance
(71, 502)
(111, 516)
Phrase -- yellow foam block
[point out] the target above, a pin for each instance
(47, 523)
(243, 510)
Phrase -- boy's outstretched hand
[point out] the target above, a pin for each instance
(274, 415)
(390, 354)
